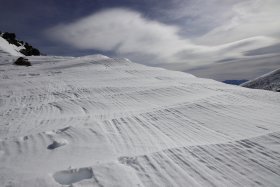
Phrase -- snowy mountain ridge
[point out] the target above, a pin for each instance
(100, 121)
(9, 44)
(268, 81)
(9, 49)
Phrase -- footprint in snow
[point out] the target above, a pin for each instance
(68, 177)
(57, 143)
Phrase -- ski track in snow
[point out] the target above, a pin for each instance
(97, 121)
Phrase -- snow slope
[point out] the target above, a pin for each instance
(7, 48)
(269, 81)
(98, 121)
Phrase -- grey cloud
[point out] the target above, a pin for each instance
(264, 50)
(127, 32)
(238, 69)
(236, 32)
(249, 18)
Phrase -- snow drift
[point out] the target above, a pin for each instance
(98, 121)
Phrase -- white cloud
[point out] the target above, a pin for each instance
(249, 18)
(129, 34)
(123, 31)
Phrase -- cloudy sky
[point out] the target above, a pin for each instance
(219, 39)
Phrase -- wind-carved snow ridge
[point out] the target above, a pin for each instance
(118, 123)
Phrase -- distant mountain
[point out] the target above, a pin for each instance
(235, 82)
(16, 47)
(269, 81)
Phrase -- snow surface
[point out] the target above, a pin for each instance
(269, 81)
(11, 49)
(98, 121)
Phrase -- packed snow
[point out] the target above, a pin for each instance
(269, 81)
(99, 121)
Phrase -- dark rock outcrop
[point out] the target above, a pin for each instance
(28, 50)
(11, 38)
(22, 62)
